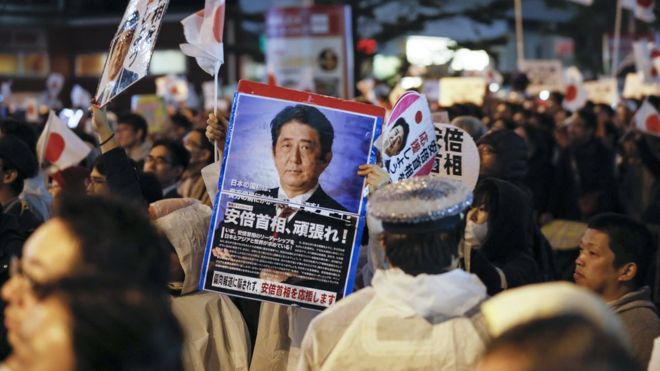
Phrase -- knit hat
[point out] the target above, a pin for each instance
(511, 154)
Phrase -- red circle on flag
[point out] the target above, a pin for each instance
(655, 53)
(645, 3)
(55, 147)
(653, 123)
(418, 117)
(218, 23)
(571, 92)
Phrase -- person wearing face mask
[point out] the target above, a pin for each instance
(497, 245)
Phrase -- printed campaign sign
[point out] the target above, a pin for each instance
(153, 109)
(131, 48)
(311, 48)
(602, 91)
(290, 207)
(408, 147)
(458, 156)
(542, 74)
(634, 87)
(455, 90)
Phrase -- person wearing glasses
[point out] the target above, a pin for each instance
(167, 160)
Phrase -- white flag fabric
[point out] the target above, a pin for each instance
(59, 145)
(647, 119)
(583, 2)
(203, 33)
(643, 9)
(647, 60)
(575, 94)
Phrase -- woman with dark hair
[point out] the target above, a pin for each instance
(396, 138)
(497, 244)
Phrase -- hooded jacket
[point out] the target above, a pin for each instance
(640, 320)
(505, 259)
(216, 337)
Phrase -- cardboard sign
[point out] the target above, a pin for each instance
(153, 109)
(131, 48)
(408, 147)
(602, 91)
(635, 87)
(290, 207)
(454, 90)
(543, 74)
(311, 49)
(458, 156)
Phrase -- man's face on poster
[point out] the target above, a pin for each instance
(298, 160)
(119, 51)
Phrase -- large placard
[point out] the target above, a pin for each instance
(543, 74)
(289, 212)
(311, 48)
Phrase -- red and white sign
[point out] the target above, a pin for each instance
(647, 119)
(60, 146)
(311, 49)
(647, 60)
(575, 95)
(408, 138)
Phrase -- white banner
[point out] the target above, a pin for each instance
(543, 74)
(455, 90)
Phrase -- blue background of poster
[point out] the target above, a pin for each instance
(251, 160)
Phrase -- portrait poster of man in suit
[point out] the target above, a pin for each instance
(291, 206)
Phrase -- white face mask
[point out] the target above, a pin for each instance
(475, 234)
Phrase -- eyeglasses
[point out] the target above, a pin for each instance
(158, 160)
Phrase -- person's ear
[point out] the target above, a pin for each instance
(627, 272)
(9, 176)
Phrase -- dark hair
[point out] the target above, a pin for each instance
(306, 115)
(406, 129)
(178, 153)
(16, 156)
(181, 121)
(630, 241)
(588, 117)
(204, 142)
(137, 122)
(21, 131)
(119, 326)
(565, 342)
(115, 239)
(418, 253)
(151, 189)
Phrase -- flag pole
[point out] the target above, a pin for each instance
(44, 145)
(617, 38)
(520, 45)
(215, 107)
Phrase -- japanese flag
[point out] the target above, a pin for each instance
(59, 145)
(644, 10)
(647, 119)
(575, 94)
(203, 32)
(647, 60)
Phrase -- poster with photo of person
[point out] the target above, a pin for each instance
(131, 48)
(290, 208)
(408, 145)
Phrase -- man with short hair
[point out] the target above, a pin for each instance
(615, 252)
(17, 163)
(132, 136)
(302, 149)
(167, 160)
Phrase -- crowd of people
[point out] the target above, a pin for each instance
(100, 262)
